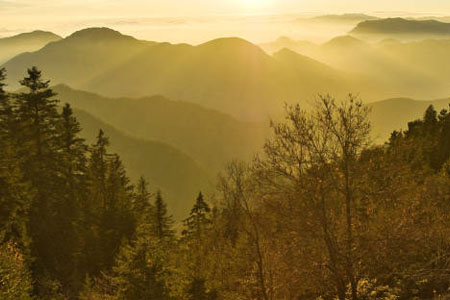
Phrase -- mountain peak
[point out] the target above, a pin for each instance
(233, 45)
(34, 35)
(96, 33)
(344, 41)
(229, 42)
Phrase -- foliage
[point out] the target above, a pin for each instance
(15, 279)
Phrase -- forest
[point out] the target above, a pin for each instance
(321, 212)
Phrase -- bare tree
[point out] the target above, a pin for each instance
(312, 159)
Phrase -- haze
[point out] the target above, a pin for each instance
(197, 21)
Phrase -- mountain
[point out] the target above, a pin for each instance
(24, 42)
(402, 28)
(166, 168)
(230, 75)
(385, 69)
(297, 64)
(210, 137)
(344, 18)
(288, 43)
(429, 57)
(236, 77)
(79, 57)
(394, 114)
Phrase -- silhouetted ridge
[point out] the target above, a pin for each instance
(289, 55)
(98, 33)
(402, 26)
(344, 41)
(232, 44)
(345, 18)
(37, 34)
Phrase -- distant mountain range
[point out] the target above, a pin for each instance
(25, 42)
(386, 69)
(209, 137)
(344, 18)
(236, 77)
(230, 75)
(402, 28)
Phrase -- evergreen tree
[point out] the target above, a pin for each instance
(163, 222)
(108, 215)
(197, 291)
(195, 238)
(117, 220)
(73, 171)
(15, 194)
(198, 219)
(143, 207)
(94, 206)
(39, 152)
(141, 271)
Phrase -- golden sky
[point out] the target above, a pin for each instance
(195, 21)
(21, 8)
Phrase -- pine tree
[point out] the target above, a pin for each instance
(15, 193)
(141, 271)
(143, 208)
(94, 206)
(41, 162)
(117, 221)
(198, 219)
(195, 236)
(73, 170)
(163, 222)
(197, 291)
(108, 213)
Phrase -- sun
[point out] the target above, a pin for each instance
(255, 3)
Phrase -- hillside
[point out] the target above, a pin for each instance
(394, 114)
(210, 137)
(25, 42)
(402, 28)
(166, 168)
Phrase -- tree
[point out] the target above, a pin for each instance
(41, 163)
(108, 216)
(143, 207)
(312, 159)
(15, 279)
(141, 269)
(238, 191)
(198, 219)
(15, 193)
(163, 222)
(195, 236)
(197, 291)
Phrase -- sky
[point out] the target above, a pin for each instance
(194, 21)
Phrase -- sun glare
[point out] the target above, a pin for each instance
(255, 3)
